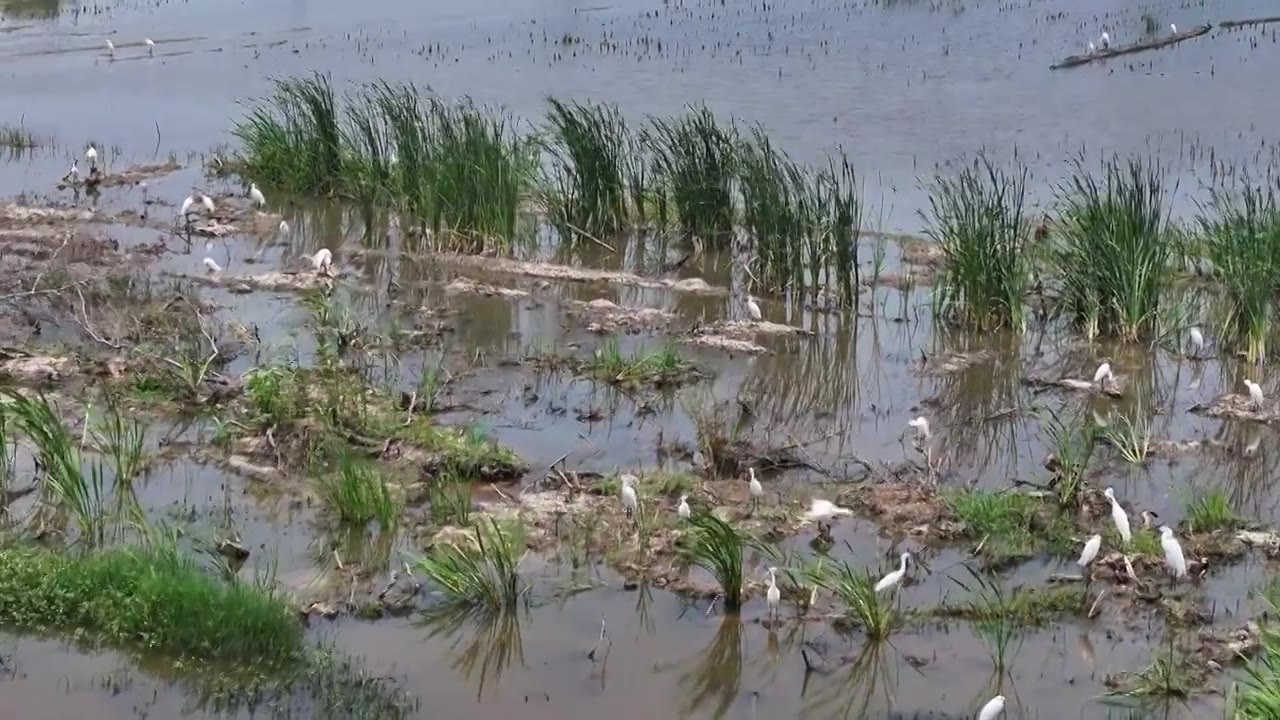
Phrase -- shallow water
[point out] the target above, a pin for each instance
(902, 88)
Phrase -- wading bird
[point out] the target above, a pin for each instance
(212, 266)
(774, 596)
(207, 203)
(921, 425)
(284, 228)
(1255, 394)
(753, 309)
(1105, 40)
(1195, 338)
(682, 510)
(1103, 375)
(91, 154)
(256, 195)
(322, 261)
(1148, 518)
(892, 579)
(1173, 28)
(1173, 557)
(1090, 551)
(151, 46)
(630, 503)
(1119, 517)
(992, 709)
(821, 509)
(73, 174)
(1092, 48)
(111, 48)
(757, 490)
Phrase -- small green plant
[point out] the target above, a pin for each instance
(876, 613)
(1011, 525)
(695, 162)
(717, 547)
(121, 440)
(659, 367)
(1258, 693)
(357, 494)
(588, 145)
(977, 218)
(1209, 511)
(1111, 251)
(272, 395)
(1167, 677)
(1073, 445)
(450, 498)
(994, 615)
(485, 574)
(1130, 436)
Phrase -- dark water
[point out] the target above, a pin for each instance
(902, 88)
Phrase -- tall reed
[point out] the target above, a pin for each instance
(717, 547)
(484, 575)
(1242, 232)
(1112, 254)
(293, 140)
(695, 162)
(588, 145)
(976, 217)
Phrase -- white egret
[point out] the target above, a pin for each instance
(256, 195)
(753, 309)
(322, 261)
(1173, 557)
(1173, 28)
(1105, 40)
(187, 205)
(1255, 394)
(1119, 517)
(284, 228)
(1102, 375)
(921, 425)
(821, 509)
(111, 48)
(683, 509)
(630, 503)
(1090, 551)
(892, 579)
(207, 202)
(145, 198)
(151, 46)
(1092, 48)
(91, 155)
(992, 709)
(774, 596)
(1197, 341)
(757, 490)
(212, 266)
(74, 173)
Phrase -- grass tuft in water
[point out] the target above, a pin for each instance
(876, 613)
(357, 494)
(717, 547)
(1242, 234)
(17, 138)
(484, 574)
(293, 140)
(977, 218)
(1011, 525)
(695, 164)
(588, 145)
(449, 495)
(660, 367)
(1111, 251)
(150, 598)
(1209, 511)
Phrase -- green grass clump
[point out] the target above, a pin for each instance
(1130, 436)
(977, 218)
(1242, 234)
(357, 494)
(1013, 525)
(1111, 251)
(484, 574)
(293, 139)
(1209, 511)
(717, 547)
(449, 495)
(17, 138)
(1258, 693)
(589, 145)
(695, 162)
(148, 598)
(876, 613)
(662, 366)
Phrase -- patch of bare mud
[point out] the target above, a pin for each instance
(1238, 407)
(740, 335)
(551, 271)
(606, 317)
(918, 250)
(1113, 389)
(273, 281)
(952, 363)
(465, 286)
(135, 174)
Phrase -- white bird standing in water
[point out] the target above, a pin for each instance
(1090, 551)
(683, 510)
(207, 202)
(1173, 557)
(256, 195)
(111, 48)
(1119, 517)
(757, 490)
(212, 266)
(992, 709)
(1173, 28)
(91, 155)
(284, 228)
(921, 425)
(1255, 394)
(151, 46)
(630, 503)
(322, 261)
(1103, 375)
(74, 173)
(187, 206)
(1196, 340)
(1092, 48)
(774, 596)
(1105, 40)
(753, 309)
(821, 509)
(892, 579)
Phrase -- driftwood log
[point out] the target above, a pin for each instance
(1252, 21)
(1107, 54)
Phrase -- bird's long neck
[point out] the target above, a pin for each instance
(902, 564)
